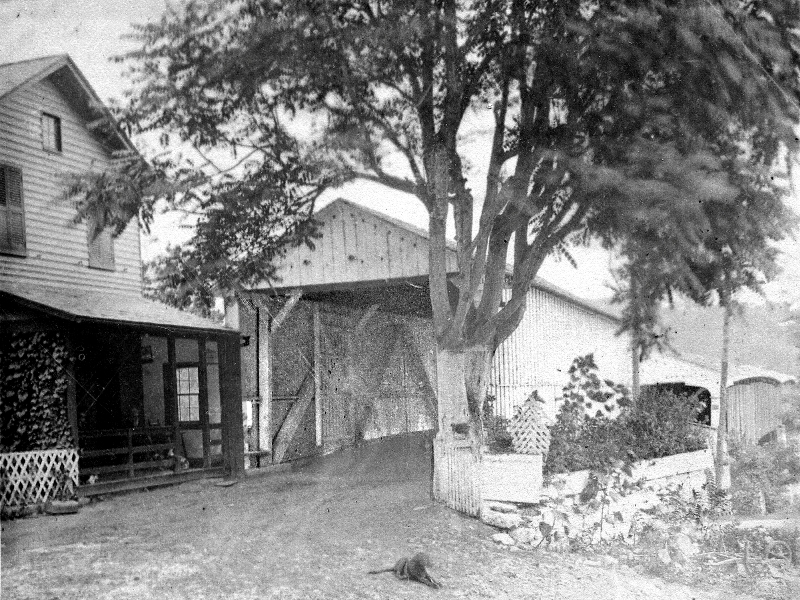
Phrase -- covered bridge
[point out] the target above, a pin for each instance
(342, 350)
(756, 396)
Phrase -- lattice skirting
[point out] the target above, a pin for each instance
(33, 477)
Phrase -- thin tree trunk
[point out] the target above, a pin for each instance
(635, 379)
(723, 466)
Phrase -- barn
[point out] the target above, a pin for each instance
(341, 349)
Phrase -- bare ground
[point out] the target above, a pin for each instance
(312, 533)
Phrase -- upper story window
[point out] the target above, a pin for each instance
(51, 132)
(12, 214)
(101, 247)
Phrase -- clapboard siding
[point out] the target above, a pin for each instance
(539, 353)
(57, 249)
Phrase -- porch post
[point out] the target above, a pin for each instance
(171, 397)
(202, 374)
(72, 400)
(231, 397)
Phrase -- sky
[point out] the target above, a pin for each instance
(91, 32)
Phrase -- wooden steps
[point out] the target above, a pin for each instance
(147, 481)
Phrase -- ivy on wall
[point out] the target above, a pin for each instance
(33, 392)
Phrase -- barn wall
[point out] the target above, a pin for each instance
(539, 353)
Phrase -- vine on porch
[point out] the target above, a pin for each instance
(33, 392)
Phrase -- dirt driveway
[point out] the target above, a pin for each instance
(310, 534)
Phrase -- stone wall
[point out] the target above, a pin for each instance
(581, 505)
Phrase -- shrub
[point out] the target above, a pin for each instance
(659, 424)
(761, 469)
(498, 439)
(662, 424)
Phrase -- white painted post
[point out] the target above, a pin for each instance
(264, 383)
(317, 374)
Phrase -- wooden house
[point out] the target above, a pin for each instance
(341, 348)
(152, 393)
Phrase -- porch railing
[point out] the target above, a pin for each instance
(124, 452)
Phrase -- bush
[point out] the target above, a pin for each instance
(761, 469)
(660, 424)
(498, 439)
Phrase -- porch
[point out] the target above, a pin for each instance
(145, 402)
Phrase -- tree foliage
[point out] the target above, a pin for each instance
(614, 119)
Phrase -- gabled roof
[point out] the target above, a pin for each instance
(17, 74)
(80, 305)
(740, 373)
(358, 252)
(62, 71)
(664, 368)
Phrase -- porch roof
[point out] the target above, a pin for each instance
(111, 307)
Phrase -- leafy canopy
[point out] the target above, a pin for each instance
(624, 120)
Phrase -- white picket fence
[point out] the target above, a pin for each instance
(29, 478)
(456, 476)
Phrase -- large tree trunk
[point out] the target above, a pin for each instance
(723, 465)
(478, 366)
(451, 392)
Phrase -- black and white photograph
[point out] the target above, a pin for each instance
(385, 299)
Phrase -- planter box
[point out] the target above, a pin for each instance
(511, 477)
(689, 467)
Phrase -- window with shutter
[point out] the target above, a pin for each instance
(101, 247)
(12, 213)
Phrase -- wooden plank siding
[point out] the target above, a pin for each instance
(755, 409)
(356, 246)
(539, 353)
(57, 250)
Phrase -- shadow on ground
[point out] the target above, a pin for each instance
(311, 533)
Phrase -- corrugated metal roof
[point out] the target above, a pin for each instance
(13, 75)
(89, 305)
(343, 264)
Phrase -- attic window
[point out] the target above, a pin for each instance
(51, 132)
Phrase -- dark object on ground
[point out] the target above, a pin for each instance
(226, 483)
(62, 507)
(414, 568)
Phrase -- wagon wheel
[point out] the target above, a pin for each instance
(779, 550)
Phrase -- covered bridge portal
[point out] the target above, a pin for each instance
(332, 368)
